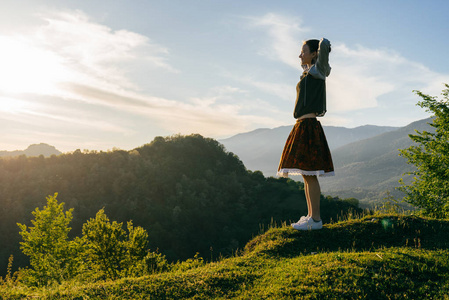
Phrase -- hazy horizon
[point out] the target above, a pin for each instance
(221, 139)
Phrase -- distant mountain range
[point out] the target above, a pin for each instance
(33, 150)
(261, 149)
(366, 158)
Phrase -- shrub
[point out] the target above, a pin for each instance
(105, 251)
(430, 189)
(52, 256)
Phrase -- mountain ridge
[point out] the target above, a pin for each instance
(356, 133)
(33, 150)
(366, 158)
(261, 148)
(370, 169)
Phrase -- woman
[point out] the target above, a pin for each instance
(306, 151)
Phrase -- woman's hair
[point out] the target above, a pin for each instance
(313, 46)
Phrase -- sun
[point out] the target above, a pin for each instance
(27, 68)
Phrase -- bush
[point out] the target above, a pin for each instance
(113, 253)
(430, 189)
(52, 256)
(105, 251)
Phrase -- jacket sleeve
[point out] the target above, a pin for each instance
(321, 69)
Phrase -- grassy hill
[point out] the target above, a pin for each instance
(374, 257)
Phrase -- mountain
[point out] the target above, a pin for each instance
(33, 150)
(371, 168)
(366, 158)
(261, 149)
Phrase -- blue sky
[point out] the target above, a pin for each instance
(102, 74)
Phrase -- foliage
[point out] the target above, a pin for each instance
(105, 251)
(191, 263)
(408, 260)
(151, 263)
(187, 192)
(105, 245)
(52, 255)
(113, 253)
(10, 278)
(430, 189)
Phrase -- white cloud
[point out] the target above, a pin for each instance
(225, 110)
(71, 48)
(286, 34)
(90, 64)
(361, 78)
(96, 52)
(280, 90)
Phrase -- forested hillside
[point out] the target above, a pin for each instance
(186, 191)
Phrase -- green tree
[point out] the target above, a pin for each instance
(429, 190)
(105, 250)
(112, 252)
(105, 245)
(52, 255)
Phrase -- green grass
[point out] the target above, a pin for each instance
(381, 257)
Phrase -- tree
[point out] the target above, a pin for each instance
(105, 250)
(429, 190)
(52, 255)
(105, 244)
(113, 253)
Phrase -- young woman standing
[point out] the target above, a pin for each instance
(306, 151)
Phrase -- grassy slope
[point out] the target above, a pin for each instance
(382, 257)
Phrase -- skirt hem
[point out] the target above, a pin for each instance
(293, 172)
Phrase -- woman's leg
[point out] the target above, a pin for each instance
(306, 191)
(313, 193)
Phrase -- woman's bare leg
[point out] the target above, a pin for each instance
(306, 191)
(313, 193)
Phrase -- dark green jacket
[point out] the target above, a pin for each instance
(311, 89)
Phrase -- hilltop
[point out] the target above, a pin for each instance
(374, 257)
(33, 150)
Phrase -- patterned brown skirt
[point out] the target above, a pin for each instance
(306, 151)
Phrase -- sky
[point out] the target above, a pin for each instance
(99, 75)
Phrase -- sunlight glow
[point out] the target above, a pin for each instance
(11, 106)
(28, 69)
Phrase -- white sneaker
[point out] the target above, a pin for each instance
(302, 219)
(308, 224)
